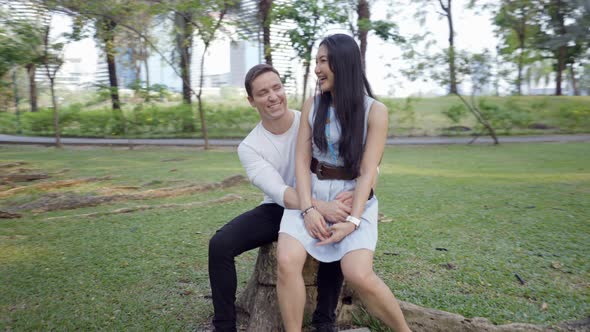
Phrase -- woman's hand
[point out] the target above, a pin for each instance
(336, 210)
(316, 225)
(339, 232)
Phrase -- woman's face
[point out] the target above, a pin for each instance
(323, 71)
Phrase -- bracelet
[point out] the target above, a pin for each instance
(306, 211)
(354, 220)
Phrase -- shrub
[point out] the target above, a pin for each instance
(95, 122)
(7, 123)
(455, 113)
(575, 116)
(40, 122)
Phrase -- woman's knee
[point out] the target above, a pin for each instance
(359, 278)
(290, 257)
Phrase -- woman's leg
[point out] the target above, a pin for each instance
(291, 256)
(357, 267)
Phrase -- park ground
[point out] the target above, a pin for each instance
(116, 239)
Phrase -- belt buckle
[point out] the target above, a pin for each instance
(318, 171)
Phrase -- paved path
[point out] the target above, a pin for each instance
(11, 139)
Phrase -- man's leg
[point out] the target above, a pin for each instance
(250, 230)
(329, 281)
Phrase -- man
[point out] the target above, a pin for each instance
(267, 155)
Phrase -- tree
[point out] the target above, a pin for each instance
(384, 29)
(106, 17)
(564, 33)
(312, 17)
(264, 16)
(516, 27)
(183, 30)
(52, 60)
(478, 67)
(204, 18)
(27, 36)
(444, 9)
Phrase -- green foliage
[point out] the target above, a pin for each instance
(93, 123)
(8, 123)
(159, 120)
(575, 116)
(405, 111)
(455, 113)
(40, 122)
(408, 116)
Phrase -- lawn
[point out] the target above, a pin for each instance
(463, 221)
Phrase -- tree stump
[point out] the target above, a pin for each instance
(258, 306)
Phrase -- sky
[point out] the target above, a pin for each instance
(473, 32)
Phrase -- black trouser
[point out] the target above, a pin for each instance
(251, 230)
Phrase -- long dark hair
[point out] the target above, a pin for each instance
(350, 88)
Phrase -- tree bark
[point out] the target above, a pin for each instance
(55, 113)
(31, 70)
(109, 40)
(257, 306)
(147, 78)
(521, 40)
(364, 13)
(307, 65)
(561, 52)
(16, 102)
(452, 67)
(200, 101)
(264, 12)
(184, 43)
(574, 81)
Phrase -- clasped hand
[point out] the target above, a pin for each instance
(335, 211)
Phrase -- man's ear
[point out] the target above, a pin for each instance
(251, 101)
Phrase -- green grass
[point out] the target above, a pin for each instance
(521, 208)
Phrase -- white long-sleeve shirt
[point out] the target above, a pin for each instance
(269, 160)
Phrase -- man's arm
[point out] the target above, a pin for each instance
(333, 211)
(265, 177)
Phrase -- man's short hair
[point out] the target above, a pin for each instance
(255, 72)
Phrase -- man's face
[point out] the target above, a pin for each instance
(268, 96)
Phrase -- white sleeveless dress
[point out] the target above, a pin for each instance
(365, 237)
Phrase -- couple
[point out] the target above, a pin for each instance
(330, 152)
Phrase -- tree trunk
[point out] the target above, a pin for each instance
(521, 40)
(55, 114)
(305, 78)
(264, 12)
(31, 70)
(16, 101)
(257, 305)
(147, 78)
(452, 67)
(200, 102)
(184, 43)
(561, 52)
(574, 81)
(364, 13)
(480, 118)
(109, 40)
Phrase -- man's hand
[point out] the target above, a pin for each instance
(316, 225)
(338, 209)
(339, 232)
(345, 197)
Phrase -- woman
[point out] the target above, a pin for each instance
(343, 140)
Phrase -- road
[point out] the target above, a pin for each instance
(436, 140)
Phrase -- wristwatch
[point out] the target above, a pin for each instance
(356, 221)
